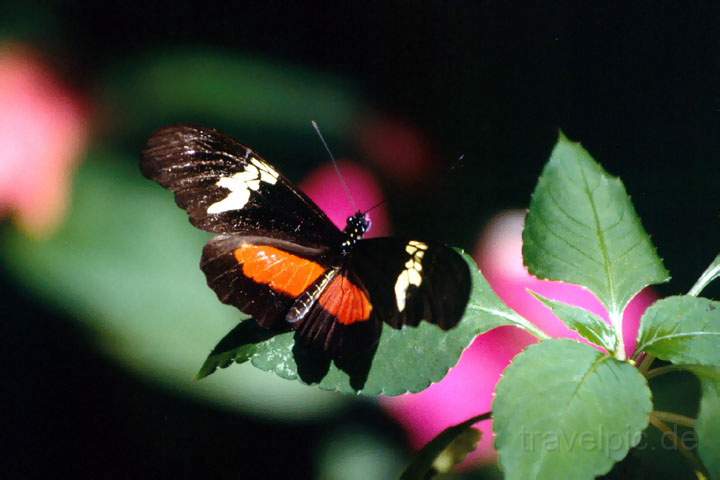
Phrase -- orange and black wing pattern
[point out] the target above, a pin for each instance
(281, 260)
(285, 286)
(337, 315)
(261, 276)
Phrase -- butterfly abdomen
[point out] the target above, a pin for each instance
(302, 305)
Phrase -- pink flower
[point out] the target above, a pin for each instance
(43, 130)
(324, 186)
(398, 149)
(499, 255)
(468, 389)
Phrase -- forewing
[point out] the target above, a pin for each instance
(261, 276)
(409, 281)
(227, 188)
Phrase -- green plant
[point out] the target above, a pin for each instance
(563, 409)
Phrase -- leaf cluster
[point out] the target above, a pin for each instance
(566, 409)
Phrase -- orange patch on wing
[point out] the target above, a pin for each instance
(346, 301)
(280, 270)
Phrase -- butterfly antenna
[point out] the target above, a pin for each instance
(337, 169)
(374, 206)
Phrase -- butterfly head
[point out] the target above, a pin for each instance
(356, 227)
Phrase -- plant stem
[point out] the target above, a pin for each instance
(646, 363)
(711, 273)
(656, 372)
(616, 318)
(675, 418)
(695, 462)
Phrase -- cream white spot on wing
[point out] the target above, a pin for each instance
(267, 173)
(241, 184)
(234, 201)
(411, 274)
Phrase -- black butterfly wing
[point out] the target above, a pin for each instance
(277, 260)
(409, 281)
(339, 316)
(261, 276)
(286, 286)
(227, 188)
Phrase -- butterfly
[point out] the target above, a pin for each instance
(278, 258)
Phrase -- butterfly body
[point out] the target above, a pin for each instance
(278, 258)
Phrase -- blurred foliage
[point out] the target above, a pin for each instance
(28, 21)
(126, 264)
(357, 453)
(270, 103)
(446, 450)
(126, 260)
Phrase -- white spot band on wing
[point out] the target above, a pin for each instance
(412, 273)
(241, 184)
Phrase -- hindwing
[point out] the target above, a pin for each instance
(410, 281)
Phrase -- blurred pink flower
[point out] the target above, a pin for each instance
(43, 130)
(468, 389)
(499, 255)
(398, 149)
(325, 188)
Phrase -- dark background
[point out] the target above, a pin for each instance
(636, 83)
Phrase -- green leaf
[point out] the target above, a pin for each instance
(237, 346)
(450, 447)
(708, 427)
(406, 360)
(708, 421)
(125, 265)
(582, 228)
(587, 324)
(682, 330)
(565, 410)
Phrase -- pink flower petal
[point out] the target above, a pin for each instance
(397, 148)
(467, 390)
(43, 130)
(325, 188)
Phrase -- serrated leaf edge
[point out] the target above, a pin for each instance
(634, 442)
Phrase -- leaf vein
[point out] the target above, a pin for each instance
(657, 339)
(560, 207)
(619, 220)
(544, 223)
(603, 247)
